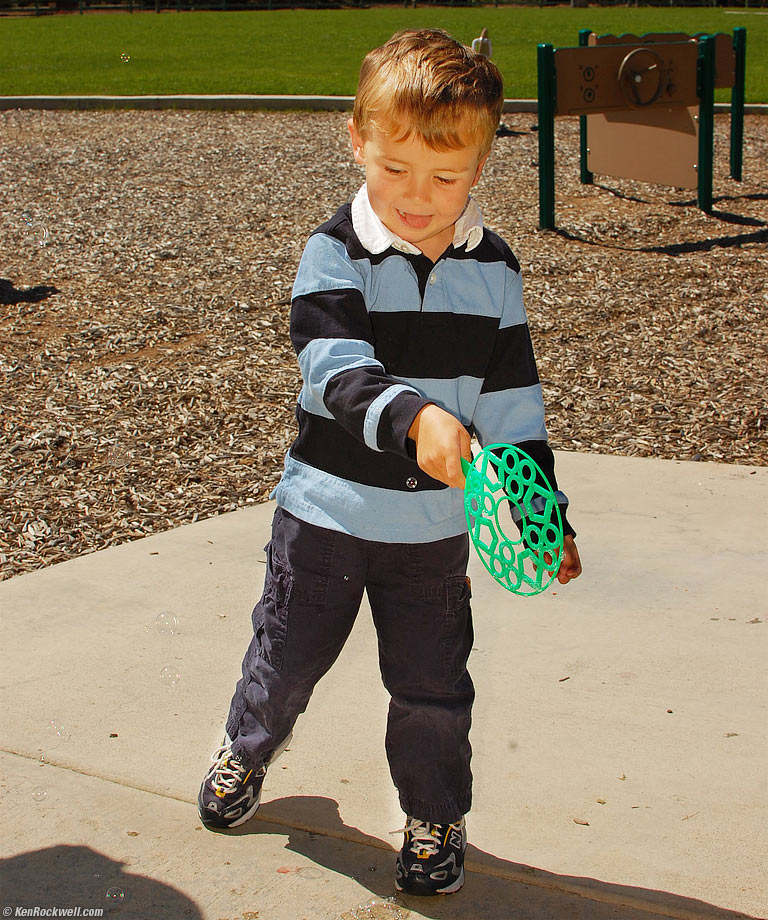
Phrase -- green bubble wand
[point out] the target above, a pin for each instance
(498, 475)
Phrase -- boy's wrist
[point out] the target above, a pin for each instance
(413, 431)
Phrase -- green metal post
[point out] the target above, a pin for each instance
(546, 68)
(706, 89)
(737, 101)
(586, 176)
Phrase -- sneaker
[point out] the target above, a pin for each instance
(231, 791)
(432, 858)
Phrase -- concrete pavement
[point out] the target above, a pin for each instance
(620, 733)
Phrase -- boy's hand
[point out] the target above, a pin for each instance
(441, 442)
(570, 564)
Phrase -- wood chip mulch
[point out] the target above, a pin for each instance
(147, 378)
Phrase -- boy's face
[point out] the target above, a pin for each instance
(417, 192)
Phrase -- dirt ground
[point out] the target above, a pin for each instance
(145, 275)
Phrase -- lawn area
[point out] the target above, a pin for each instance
(311, 51)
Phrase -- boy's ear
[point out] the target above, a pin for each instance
(479, 170)
(357, 143)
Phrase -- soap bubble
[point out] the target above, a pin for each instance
(167, 623)
(125, 57)
(169, 677)
(36, 230)
(117, 455)
(115, 894)
(309, 872)
(58, 727)
(39, 794)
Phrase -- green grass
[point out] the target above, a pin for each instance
(310, 51)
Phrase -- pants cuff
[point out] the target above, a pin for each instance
(444, 813)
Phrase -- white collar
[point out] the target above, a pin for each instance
(375, 237)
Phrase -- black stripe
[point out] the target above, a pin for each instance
(491, 248)
(423, 266)
(340, 228)
(541, 453)
(324, 444)
(512, 363)
(396, 420)
(349, 393)
(339, 314)
(439, 345)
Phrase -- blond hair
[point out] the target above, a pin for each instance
(424, 81)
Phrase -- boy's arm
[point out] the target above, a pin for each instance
(334, 341)
(510, 409)
(441, 441)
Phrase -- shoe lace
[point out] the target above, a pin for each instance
(227, 770)
(425, 835)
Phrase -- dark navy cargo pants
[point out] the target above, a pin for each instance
(420, 600)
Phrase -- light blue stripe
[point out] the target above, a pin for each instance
(510, 416)
(383, 515)
(311, 400)
(325, 266)
(391, 286)
(463, 286)
(475, 289)
(373, 415)
(538, 504)
(514, 309)
(457, 395)
(322, 359)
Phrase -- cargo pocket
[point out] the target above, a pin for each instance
(270, 616)
(458, 634)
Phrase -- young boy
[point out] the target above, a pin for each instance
(411, 336)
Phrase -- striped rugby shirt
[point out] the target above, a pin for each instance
(380, 332)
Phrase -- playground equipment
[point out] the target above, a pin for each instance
(646, 107)
(482, 44)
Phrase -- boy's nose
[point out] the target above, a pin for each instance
(419, 189)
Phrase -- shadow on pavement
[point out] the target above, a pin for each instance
(495, 889)
(68, 877)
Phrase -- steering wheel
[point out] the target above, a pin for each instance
(641, 77)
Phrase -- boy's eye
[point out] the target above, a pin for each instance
(444, 181)
(392, 170)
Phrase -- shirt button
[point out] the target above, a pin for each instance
(411, 482)
(432, 279)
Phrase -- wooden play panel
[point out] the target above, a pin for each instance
(654, 135)
(608, 78)
(645, 106)
(659, 145)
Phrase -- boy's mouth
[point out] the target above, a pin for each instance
(414, 221)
